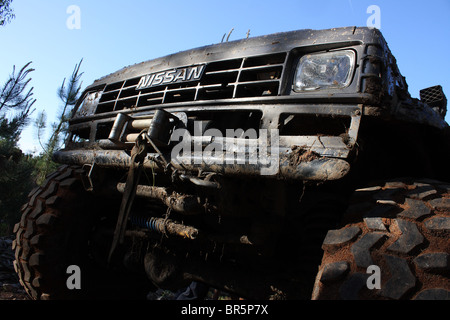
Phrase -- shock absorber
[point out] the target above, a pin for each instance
(150, 223)
(165, 226)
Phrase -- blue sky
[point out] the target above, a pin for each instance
(114, 34)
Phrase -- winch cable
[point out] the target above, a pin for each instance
(138, 154)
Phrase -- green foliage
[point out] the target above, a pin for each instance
(16, 99)
(6, 13)
(16, 168)
(16, 181)
(20, 173)
(69, 95)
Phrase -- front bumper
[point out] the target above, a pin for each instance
(307, 142)
(320, 169)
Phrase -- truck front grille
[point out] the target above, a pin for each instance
(227, 79)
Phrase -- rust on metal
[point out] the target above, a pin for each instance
(186, 204)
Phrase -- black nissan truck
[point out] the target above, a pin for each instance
(289, 166)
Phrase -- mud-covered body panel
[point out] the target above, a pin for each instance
(274, 43)
(249, 85)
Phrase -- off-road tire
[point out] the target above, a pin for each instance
(401, 227)
(52, 234)
(56, 231)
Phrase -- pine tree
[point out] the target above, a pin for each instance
(16, 102)
(69, 95)
(6, 13)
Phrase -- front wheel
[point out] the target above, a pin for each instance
(56, 245)
(393, 244)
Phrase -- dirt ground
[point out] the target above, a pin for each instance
(13, 295)
(10, 288)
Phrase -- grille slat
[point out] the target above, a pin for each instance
(227, 79)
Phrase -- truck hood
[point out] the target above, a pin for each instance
(278, 42)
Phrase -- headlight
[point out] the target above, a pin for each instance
(89, 104)
(324, 70)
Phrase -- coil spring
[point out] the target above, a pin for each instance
(151, 223)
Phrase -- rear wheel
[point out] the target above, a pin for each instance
(393, 244)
